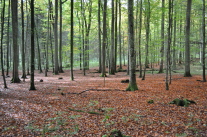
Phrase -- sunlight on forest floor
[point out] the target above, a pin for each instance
(83, 107)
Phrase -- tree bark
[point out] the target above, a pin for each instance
(104, 43)
(204, 42)
(8, 40)
(71, 44)
(60, 42)
(139, 40)
(132, 57)
(23, 46)
(162, 37)
(2, 32)
(56, 72)
(187, 40)
(14, 4)
(32, 85)
(112, 51)
(99, 33)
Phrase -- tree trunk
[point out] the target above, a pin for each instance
(187, 40)
(60, 42)
(132, 58)
(8, 58)
(174, 40)
(120, 38)
(2, 32)
(204, 42)
(71, 43)
(147, 38)
(112, 51)
(99, 33)
(139, 40)
(14, 4)
(168, 45)
(23, 46)
(56, 72)
(104, 43)
(162, 37)
(32, 85)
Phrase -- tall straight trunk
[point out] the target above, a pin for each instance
(23, 46)
(147, 37)
(32, 85)
(120, 38)
(132, 55)
(60, 41)
(48, 36)
(28, 40)
(80, 39)
(8, 40)
(99, 33)
(14, 5)
(168, 45)
(162, 37)
(2, 32)
(112, 51)
(38, 50)
(104, 43)
(174, 40)
(71, 43)
(187, 40)
(204, 42)
(56, 72)
(139, 40)
(116, 34)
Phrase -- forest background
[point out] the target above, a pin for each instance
(168, 36)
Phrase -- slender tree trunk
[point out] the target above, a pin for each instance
(32, 85)
(147, 38)
(174, 40)
(168, 45)
(132, 56)
(14, 4)
(204, 41)
(60, 42)
(99, 33)
(71, 43)
(115, 34)
(2, 32)
(112, 51)
(120, 38)
(56, 72)
(139, 42)
(187, 40)
(104, 43)
(8, 40)
(23, 46)
(162, 37)
(38, 50)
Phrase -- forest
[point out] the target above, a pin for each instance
(103, 68)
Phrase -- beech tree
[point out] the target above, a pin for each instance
(2, 32)
(103, 59)
(56, 71)
(71, 43)
(204, 41)
(132, 57)
(32, 85)
(14, 7)
(187, 40)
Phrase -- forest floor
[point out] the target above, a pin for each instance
(86, 108)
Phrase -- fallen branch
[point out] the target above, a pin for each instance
(89, 112)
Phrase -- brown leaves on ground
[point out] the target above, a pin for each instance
(83, 107)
